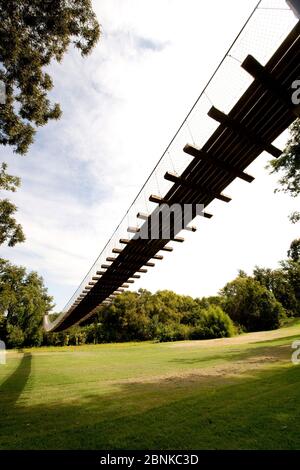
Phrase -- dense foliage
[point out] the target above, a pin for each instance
(248, 303)
(288, 166)
(251, 305)
(23, 303)
(32, 34)
(10, 231)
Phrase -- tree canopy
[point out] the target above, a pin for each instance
(288, 165)
(23, 303)
(251, 305)
(294, 251)
(10, 231)
(33, 33)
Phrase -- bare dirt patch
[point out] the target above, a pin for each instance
(247, 338)
(221, 373)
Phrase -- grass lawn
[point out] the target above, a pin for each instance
(236, 393)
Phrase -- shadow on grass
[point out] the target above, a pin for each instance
(258, 410)
(262, 354)
(14, 385)
(276, 341)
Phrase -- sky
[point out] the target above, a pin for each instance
(121, 106)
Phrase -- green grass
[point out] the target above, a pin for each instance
(240, 393)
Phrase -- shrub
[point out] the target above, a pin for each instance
(214, 324)
(15, 336)
(173, 332)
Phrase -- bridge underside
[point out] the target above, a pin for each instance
(262, 113)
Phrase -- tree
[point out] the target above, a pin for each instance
(10, 231)
(124, 321)
(289, 164)
(23, 303)
(251, 305)
(277, 281)
(291, 270)
(33, 33)
(284, 283)
(294, 251)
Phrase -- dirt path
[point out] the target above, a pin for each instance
(247, 338)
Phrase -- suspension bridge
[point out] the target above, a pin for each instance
(255, 85)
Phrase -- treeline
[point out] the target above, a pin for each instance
(259, 302)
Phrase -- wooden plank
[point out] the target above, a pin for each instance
(117, 250)
(133, 229)
(178, 239)
(169, 249)
(191, 229)
(142, 215)
(259, 72)
(199, 154)
(179, 180)
(159, 200)
(236, 126)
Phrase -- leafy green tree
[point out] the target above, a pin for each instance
(251, 305)
(123, 321)
(288, 164)
(284, 282)
(291, 270)
(23, 302)
(10, 231)
(15, 336)
(294, 251)
(33, 33)
(277, 281)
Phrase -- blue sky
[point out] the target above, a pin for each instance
(121, 105)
